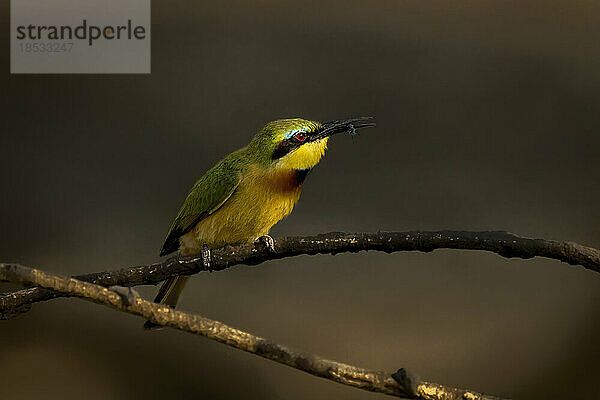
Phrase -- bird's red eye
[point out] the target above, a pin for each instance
(300, 136)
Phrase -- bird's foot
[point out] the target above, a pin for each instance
(351, 130)
(128, 295)
(206, 257)
(267, 241)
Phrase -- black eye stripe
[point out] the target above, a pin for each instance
(287, 145)
(284, 147)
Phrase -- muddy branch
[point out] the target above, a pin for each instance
(502, 243)
(400, 383)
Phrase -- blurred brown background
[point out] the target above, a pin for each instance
(487, 118)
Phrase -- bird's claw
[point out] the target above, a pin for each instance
(351, 130)
(268, 242)
(128, 295)
(206, 257)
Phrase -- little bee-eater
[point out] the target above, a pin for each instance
(246, 193)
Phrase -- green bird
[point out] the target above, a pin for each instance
(246, 193)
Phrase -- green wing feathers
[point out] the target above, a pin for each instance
(207, 196)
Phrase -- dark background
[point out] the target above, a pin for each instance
(488, 119)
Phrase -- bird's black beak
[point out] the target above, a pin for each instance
(340, 126)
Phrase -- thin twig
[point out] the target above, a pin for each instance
(503, 243)
(400, 384)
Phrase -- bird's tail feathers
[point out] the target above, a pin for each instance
(168, 294)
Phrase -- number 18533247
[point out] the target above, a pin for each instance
(46, 47)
